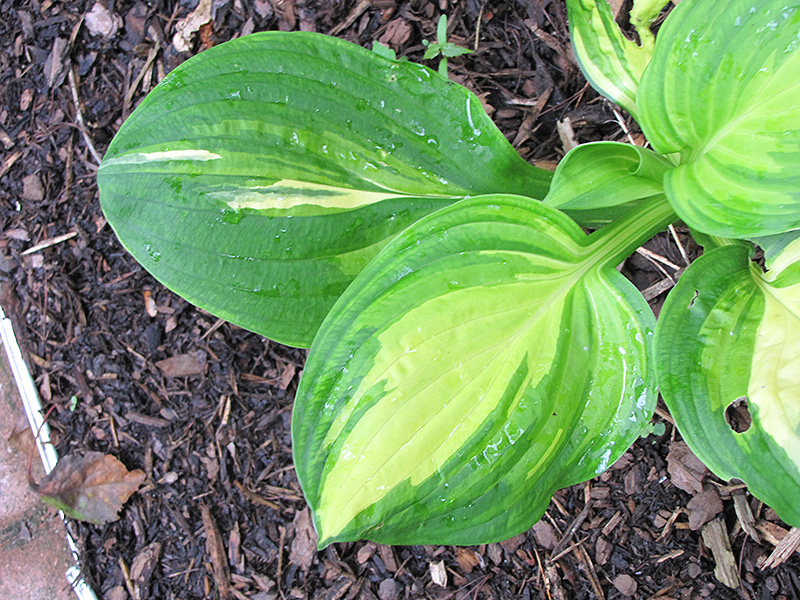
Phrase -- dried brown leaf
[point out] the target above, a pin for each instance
(92, 487)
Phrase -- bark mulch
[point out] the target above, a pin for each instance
(204, 407)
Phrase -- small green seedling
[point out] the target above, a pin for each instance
(441, 47)
(473, 349)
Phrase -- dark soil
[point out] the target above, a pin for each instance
(215, 446)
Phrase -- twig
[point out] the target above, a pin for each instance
(590, 571)
(151, 56)
(624, 127)
(677, 240)
(662, 286)
(50, 242)
(657, 258)
(357, 11)
(79, 115)
(478, 28)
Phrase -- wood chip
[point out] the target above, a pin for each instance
(215, 548)
(149, 304)
(387, 590)
(566, 133)
(142, 570)
(9, 161)
(715, 536)
(511, 545)
(545, 535)
(186, 28)
(438, 573)
(625, 584)
(602, 551)
(685, 469)
(745, 514)
(366, 552)
(54, 65)
(145, 419)
(703, 507)
(468, 559)
(183, 365)
(32, 188)
(612, 523)
(784, 550)
(387, 556)
(304, 544)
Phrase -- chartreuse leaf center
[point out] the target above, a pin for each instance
(749, 324)
(451, 348)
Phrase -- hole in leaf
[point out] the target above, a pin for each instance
(738, 416)
(696, 294)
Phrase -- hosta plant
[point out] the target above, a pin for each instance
(473, 348)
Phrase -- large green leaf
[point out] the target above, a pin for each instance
(262, 175)
(489, 355)
(722, 91)
(728, 340)
(597, 183)
(612, 63)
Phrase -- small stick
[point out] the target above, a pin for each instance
(624, 127)
(79, 115)
(657, 257)
(677, 240)
(51, 242)
(478, 28)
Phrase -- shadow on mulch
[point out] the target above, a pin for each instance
(213, 438)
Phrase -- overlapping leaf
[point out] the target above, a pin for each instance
(597, 183)
(722, 92)
(489, 355)
(262, 175)
(728, 356)
(611, 62)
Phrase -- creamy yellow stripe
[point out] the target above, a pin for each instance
(775, 370)
(289, 193)
(168, 155)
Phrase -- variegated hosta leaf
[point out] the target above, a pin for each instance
(723, 92)
(728, 356)
(596, 183)
(262, 175)
(612, 63)
(489, 355)
(642, 15)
